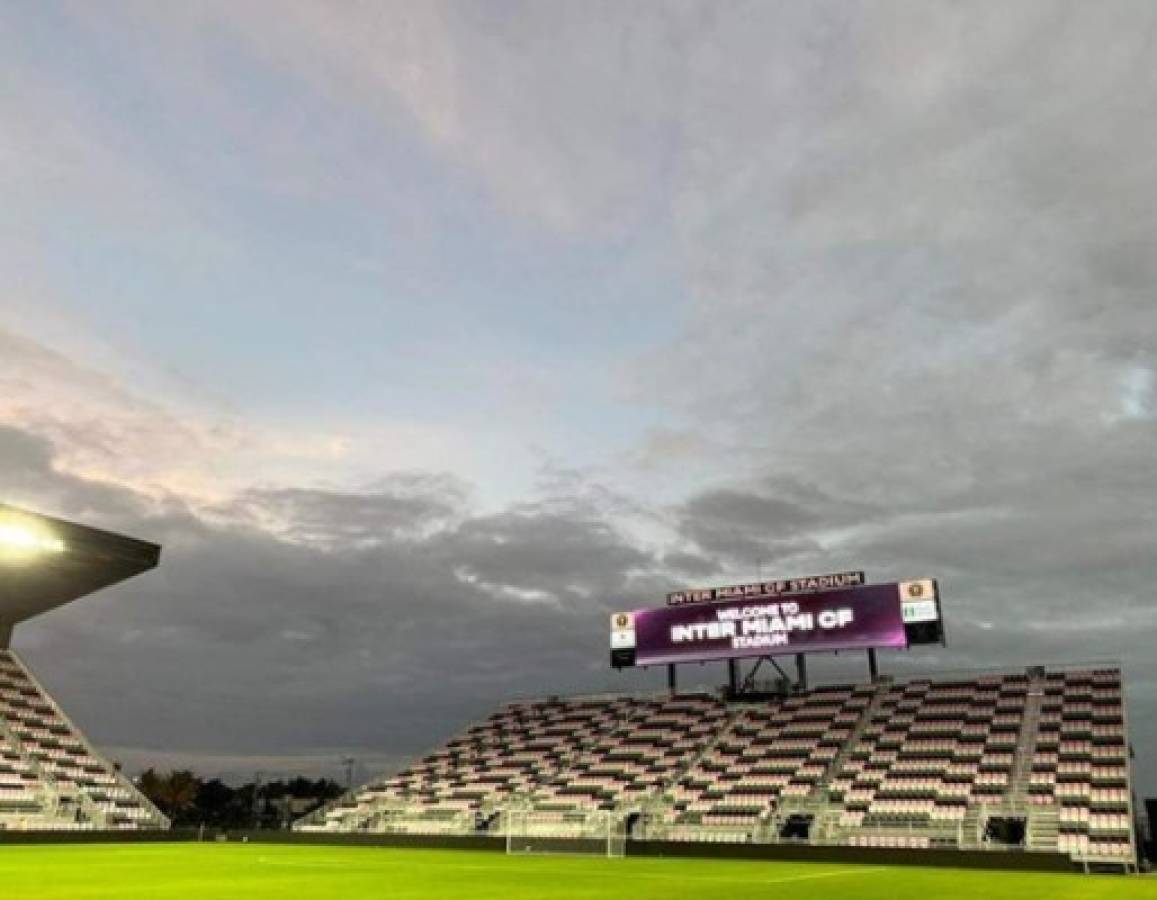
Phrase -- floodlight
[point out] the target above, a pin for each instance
(19, 541)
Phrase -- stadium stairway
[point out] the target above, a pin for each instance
(972, 828)
(822, 789)
(1022, 772)
(660, 809)
(1043, 830)
(51, 778)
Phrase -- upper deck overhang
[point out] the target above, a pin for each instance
(47, 562)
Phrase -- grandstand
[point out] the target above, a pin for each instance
(51, 777)
(1033, 760)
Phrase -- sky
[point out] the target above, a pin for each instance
(423, 336)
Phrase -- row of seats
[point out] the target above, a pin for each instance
(1083, 847)
(500, 760)
(692, 834)
(979, 722)
(768, 752)
(660, 737)
(890, 841)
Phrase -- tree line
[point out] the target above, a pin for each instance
(191, 801)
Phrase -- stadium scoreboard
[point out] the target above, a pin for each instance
(778, 622)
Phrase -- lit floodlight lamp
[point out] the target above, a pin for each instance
(20, 541)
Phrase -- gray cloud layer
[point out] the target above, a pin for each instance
(379, 640)
(364, 635)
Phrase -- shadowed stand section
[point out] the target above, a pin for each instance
(51, 778)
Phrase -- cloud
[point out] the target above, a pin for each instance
(104, 429)
(92, 418)
(766, 521)
(401, 505)
(577, 152)
(690, 565)
(570, 553)
(375, 622)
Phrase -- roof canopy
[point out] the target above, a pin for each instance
(47, 562)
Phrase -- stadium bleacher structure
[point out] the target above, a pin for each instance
(50, 776)
(1031, 761)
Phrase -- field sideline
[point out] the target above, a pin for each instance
(259, 871)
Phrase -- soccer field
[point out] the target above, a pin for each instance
(247, 872)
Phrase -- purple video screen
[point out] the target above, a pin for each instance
(852, 619)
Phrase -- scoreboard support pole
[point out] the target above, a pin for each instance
(801, 670)
(672, 680)
(733, 676)
(873, 665)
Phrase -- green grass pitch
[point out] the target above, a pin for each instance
(259, 871)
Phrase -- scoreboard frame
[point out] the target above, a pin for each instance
(853, 618)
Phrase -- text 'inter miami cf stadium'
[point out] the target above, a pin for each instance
(1030, 764)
